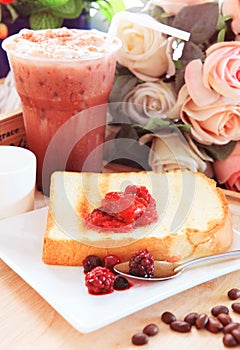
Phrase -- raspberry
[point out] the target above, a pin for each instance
(90, 262)
(100, 280)
(142, 264)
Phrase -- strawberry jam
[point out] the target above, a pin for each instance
(124, 211)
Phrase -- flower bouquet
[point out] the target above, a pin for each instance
(177, 87)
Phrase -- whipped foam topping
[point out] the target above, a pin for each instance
(61, 43)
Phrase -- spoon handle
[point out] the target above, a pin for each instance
(223, 256)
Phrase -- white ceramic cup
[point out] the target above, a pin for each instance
(17, 180)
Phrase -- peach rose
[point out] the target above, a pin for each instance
(216, 122)
(149, 100)
(232, 8)
(227, 171)
(145, 51)
(221, 69)
(173, 7)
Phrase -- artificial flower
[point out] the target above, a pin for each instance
(221, 69)
(232, 8)
(205, 82)
(214, 123)
(227, 171)
(149, 100)
(145, 51)
(170, 151)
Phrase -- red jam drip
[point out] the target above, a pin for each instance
(124, 211)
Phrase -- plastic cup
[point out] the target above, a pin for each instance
(59, 73)
(17, 180)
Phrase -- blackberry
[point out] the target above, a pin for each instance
(142, 264)
(121, 283)
(100, 280)
(90, 262)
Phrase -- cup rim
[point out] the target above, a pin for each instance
(116, 44)
(26, 152)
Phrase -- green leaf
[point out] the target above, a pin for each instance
(24, 8)
(219, 152)
(221, 35)
(109, 8)
(44, 20)
(161, 16)
(199, 20)
(52, 3)
(72, 9)
(12, 11)
(153, 124)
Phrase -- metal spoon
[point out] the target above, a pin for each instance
(164, 270)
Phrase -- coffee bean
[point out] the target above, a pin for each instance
(229, 327)
(213, 325)
(201, 321)
(219, 309)
(140, 339)
(234, 293)
(236, 307)
(151, 329)
(236, 333)
(224, 319)
(191, 318)
(180, 326)
(167, 317)
(229, 341)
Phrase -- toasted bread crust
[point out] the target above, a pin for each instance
(216, 238)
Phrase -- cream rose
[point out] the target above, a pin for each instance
(232, 8)
(170, 151)
(217, 122)
(149, 100)
(145, 51)
(173, 7)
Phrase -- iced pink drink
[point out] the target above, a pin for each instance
(58, 73)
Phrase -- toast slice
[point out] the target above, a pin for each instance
(193, 217)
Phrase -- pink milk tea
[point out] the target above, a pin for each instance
(59, 73)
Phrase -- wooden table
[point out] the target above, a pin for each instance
(27, 321)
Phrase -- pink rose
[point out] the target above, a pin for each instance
(173, 6)
(232, 8)
(216, 122)
(221, 69)
(227, 171)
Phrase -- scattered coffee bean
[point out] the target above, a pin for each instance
(213, 325)
(191, 318)
(229, 327)
(236, 333)
(234, 293)
(219, 309)
(224, 319)
(167, 317)
(201, 321)
(151, 329)
(229, 341)
(236, 307)
(180, 326)
(140, 339)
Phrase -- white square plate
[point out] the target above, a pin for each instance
(62, 287)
